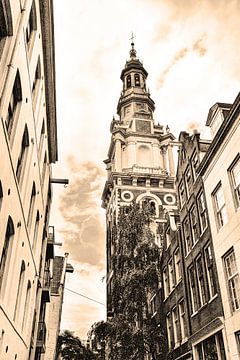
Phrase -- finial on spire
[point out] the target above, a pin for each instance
(132, 51)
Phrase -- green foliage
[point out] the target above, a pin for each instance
(71, 348)
(132, 332)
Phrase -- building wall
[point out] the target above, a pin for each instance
(26, 210)
(227, 237)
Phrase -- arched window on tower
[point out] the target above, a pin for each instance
(6, 251)
(149, 205)
(129, 81)
(23, 153)
(137, 79)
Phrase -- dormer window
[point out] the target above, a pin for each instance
(129, 81)
(137, 79)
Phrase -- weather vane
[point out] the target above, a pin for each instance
(132, 37)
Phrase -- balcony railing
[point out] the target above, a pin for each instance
(146, 170)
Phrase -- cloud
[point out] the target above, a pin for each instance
(197, 47)
(83, 232)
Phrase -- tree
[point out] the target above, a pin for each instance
(133, 331)
(70, 347)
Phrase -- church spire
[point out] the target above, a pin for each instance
(133, 52)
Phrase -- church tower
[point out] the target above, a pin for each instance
(140, 161)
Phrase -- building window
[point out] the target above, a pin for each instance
(6, 250)
(194, 224)
(44, 167)
(19, 291)
(15, 99)
(233, 282)
(195, 163)
(5, 23)
(36, 227)
(177, 263)
(235, 180)
(32, 23)
(175, 326)
(212, 287)
(37, 78)
(181, 193)
(171, 275)
(188, 180)
(182, 317)
(165, 283)
(26, 305)
(237, 336)
(211, 348)
(153, 305)
(200, 282)
(129, 81)
(23, 154)
(219, 206)
(42, 135)
(137, 79)
(193, 290)
(187, 235)
(149, 205)
(1, 194)
(168, 239)
(202, 212)
(169, 331)
(31, 205)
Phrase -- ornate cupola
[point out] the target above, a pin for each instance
(134, 96)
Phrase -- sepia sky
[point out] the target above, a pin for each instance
(190, 49)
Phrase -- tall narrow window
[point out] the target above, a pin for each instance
(165, 283)
(233, 282)
(181, 192)
(19, 291)
(42, 135)
(169, 331)
(15, 99)
(195, 163)
(202, 212)
(192, 286)
(200, 282)
(177, 263)
(44, 168)
(5, 23)
(129, 81)
(220, 206)
(1, 194)
(188, 180)
(32, 23)
(182, 317)
(175, 326)
(26, 305)
(31, 204)
(235, 180)
(194, 227)
(187, 235)
(212, 287)
(6, 250)
(37, 77)
(137, 79)
(35, 235)
(23, 154)
(171, 275)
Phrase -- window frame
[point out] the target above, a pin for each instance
(229, 280)
(235, 188)
(220, 209)
(202, 210)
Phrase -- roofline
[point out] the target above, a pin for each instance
(220, 135)
(47, 25)
(211, 112)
